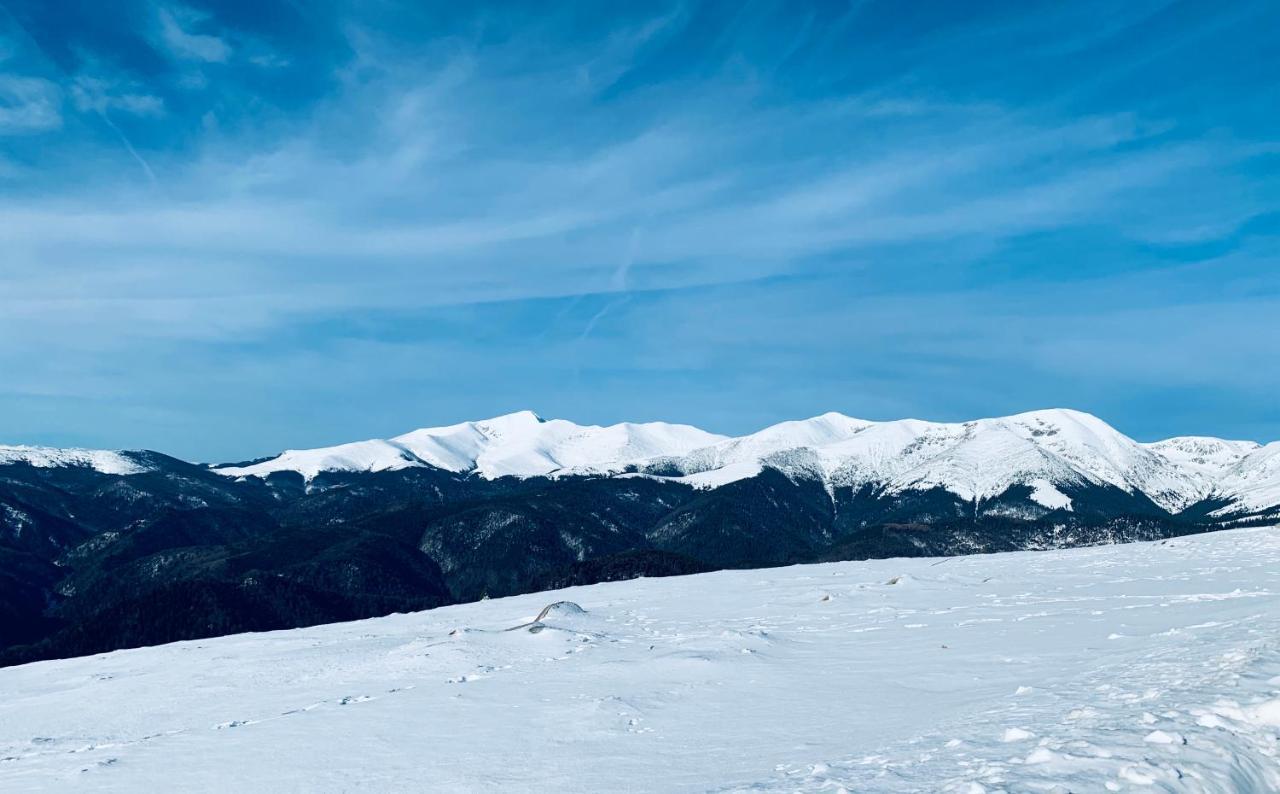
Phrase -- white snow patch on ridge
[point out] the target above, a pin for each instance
(1043, 493)
(989, 673)
(101, 460)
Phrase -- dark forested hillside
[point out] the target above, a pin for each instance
(91, 561)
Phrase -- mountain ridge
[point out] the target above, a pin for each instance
(102, 549)
(975, 459)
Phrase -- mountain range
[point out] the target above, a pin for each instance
(108, 549)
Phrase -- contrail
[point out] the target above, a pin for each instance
(608, 307)
(124, 139)
(102, 114)
(618, 283)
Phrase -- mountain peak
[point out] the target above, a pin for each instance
(525, 417)
(1062, 417)
(977, 460)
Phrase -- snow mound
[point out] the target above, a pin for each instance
(558, 614)
(559, 609)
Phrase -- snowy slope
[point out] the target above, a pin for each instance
(100, 460)
(523, 444)
(1120, 668)
(1253, 483)
(1244, 473)
(520, 444)
(1050, 451)
(1053, 452)
(1208, 458)
(975, 460)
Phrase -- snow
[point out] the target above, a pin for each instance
(1043, 493)
(975, 460)
(1210, 458)
(985, 673)
(520, 444)
(1053, 451)
(358, 456)
(105, 461)
(1253, 484)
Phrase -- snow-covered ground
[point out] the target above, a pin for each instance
(1141, 667)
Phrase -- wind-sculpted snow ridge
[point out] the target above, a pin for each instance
(1150, 666)
(104, 461)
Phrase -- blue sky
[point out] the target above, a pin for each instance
(232, 227)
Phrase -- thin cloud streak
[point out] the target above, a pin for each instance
(852, 196)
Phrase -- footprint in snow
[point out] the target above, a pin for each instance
(464, 679)
(301, 710)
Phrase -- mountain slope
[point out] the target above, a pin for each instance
(103, 461)
(99, 549)
(977, 460)
(1252, 485)
(974, 460)
(1045, 671)
(520, 444)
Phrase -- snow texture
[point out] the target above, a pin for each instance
(1043, 493)
(1136, 667)
(50, 457)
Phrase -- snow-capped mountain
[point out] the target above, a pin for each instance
(1210, 458)
(102, 550)
(100, 460)
(974, 460)
(1251, 484)
(520, 444)
(1053, 452)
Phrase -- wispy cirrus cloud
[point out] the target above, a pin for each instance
(394, 184)
(175, 24)
(97, 95)
(29, 105)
